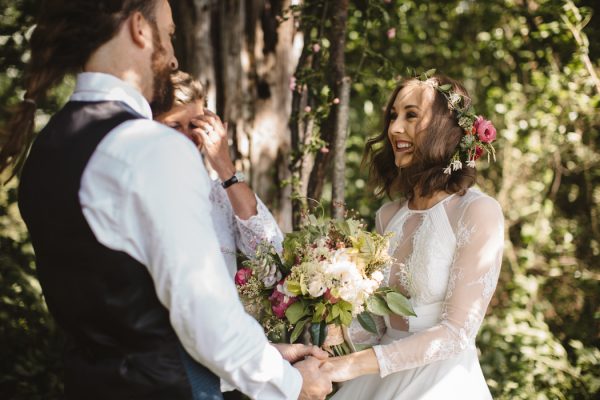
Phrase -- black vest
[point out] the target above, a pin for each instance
(120, 343)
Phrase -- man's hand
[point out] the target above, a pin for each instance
(297, 352)
(315, 384)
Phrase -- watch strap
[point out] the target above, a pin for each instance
(236, 178)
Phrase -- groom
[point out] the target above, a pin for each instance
(118, 210)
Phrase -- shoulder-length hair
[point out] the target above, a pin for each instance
(433, 148)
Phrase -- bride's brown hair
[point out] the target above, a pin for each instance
(66, 35)
(433, 149)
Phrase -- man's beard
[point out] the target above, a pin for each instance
(163, 90)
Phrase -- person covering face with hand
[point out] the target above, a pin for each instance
(240, 218)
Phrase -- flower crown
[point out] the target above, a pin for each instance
(479, 132)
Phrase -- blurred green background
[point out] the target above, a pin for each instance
(532, 68)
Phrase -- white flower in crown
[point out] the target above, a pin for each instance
(456, 165)
(471, 163)
(448, 170)
(454, 99)
(433, 82)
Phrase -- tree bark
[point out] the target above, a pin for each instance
(338, 180)
(245, 54)
(337, 38)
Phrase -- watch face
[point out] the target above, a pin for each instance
(240, 176)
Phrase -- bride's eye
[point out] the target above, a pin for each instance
(410, 115)
(393, 116)
(174, 125)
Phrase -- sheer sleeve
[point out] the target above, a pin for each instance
(256, 229)
(473, 277)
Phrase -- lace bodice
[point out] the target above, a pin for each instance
(235, 233)
(447, 259)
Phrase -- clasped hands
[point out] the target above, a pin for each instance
(317, 369)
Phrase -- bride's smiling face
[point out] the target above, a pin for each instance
(409, 117)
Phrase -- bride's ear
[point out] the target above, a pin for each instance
(139, 30)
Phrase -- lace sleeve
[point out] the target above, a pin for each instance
(473, 277)
(256, 229)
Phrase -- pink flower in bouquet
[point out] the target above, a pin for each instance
(485, 130)
(242, 276)
(280, 302)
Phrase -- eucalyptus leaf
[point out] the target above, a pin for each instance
(298, 330)
(378, 306)
(399, 304)
(366, 321)
(318, 333)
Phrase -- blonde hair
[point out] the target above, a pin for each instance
(187, 89)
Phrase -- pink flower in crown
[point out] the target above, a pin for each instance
(485, 130)
(478, 153)
(280, 302)
(242, 276)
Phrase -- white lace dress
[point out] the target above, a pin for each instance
(447, 259)
(235, 233)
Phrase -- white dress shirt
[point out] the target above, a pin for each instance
(145, 191)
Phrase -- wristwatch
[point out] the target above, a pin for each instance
(236, 178)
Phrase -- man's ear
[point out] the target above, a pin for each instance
(140, 30)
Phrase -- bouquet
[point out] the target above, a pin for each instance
(330, 272)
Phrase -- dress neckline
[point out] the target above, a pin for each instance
(445, 199)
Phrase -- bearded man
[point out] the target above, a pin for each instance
(118, 210)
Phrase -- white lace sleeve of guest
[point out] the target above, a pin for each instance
(473, 277)
(256, 229)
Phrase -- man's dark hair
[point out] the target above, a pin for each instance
(66, 35)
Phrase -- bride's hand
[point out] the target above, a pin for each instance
(341, 369)
(338, 369)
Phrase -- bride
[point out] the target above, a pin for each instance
(447, 246)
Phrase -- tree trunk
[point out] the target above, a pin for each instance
(336, 123)
(338, 180)
(245, 53)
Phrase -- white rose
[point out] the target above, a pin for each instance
(316, 287)
(377, 276)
